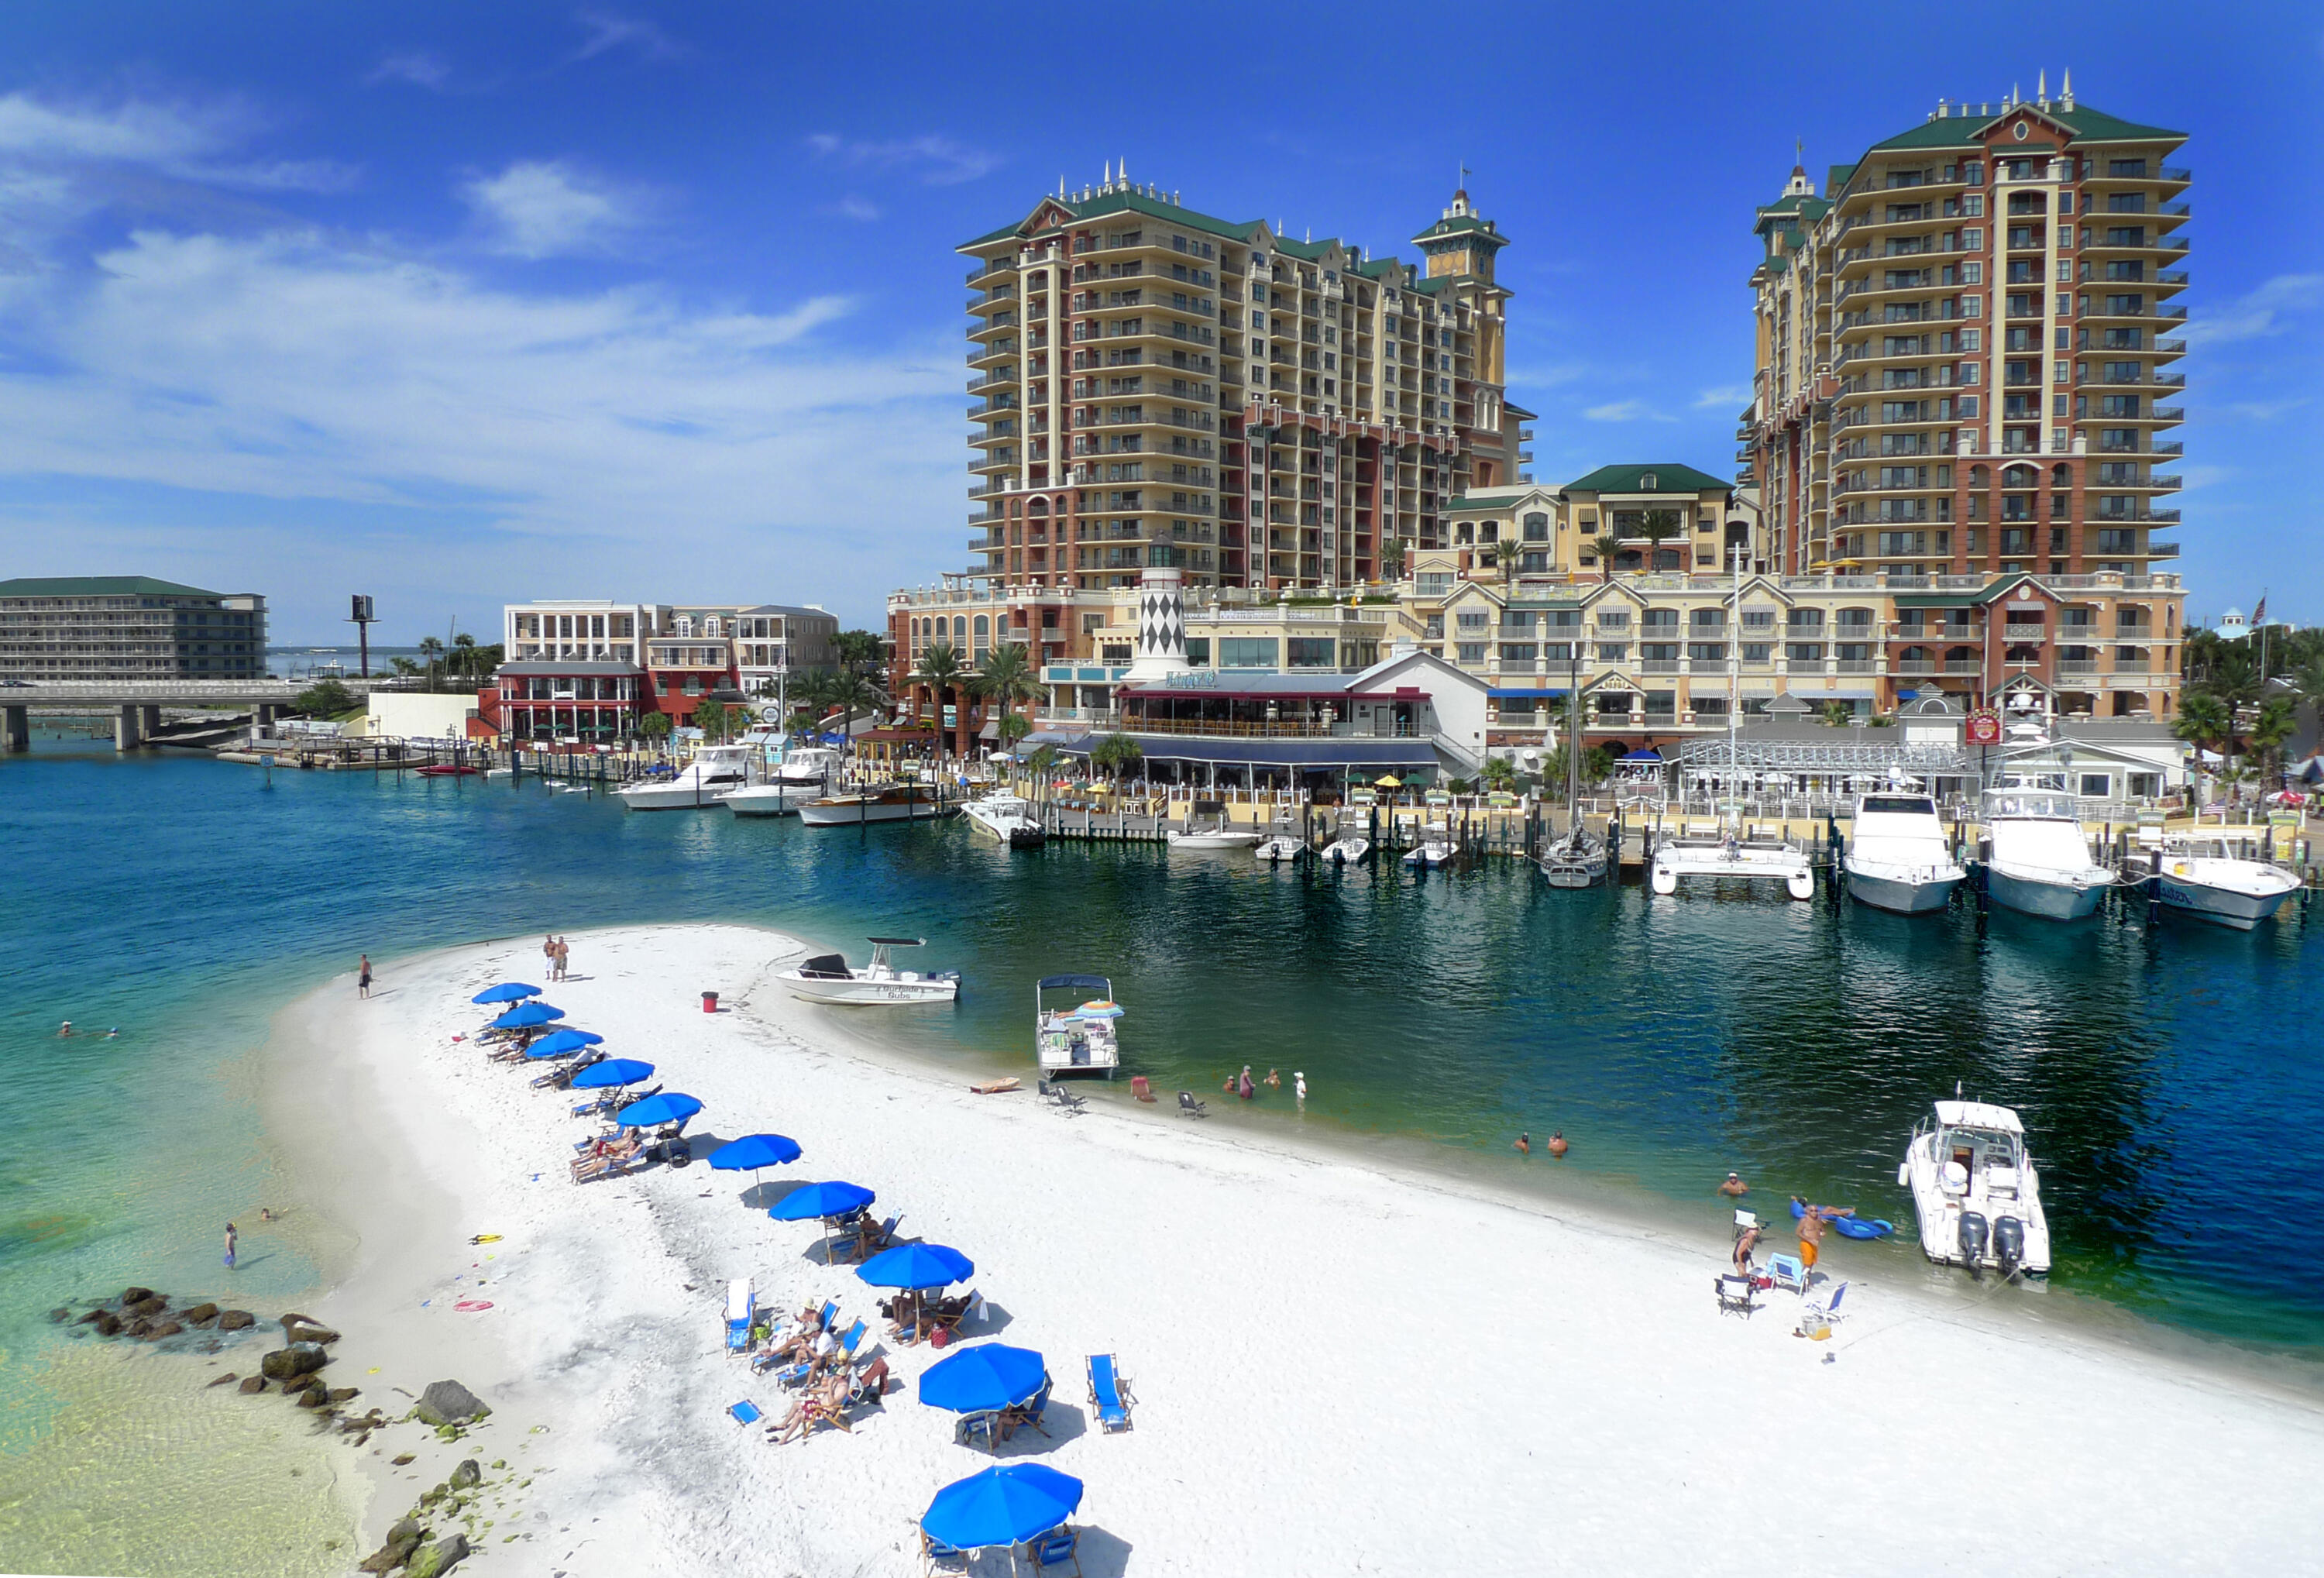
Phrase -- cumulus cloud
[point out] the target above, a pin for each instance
(609, 30)
(547, 209)
(939, 160)
(856, 209)
(2258, 314)
(1625, 411)
(416, 66)
(1726, 397)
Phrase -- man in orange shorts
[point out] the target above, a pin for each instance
(1811, 1236)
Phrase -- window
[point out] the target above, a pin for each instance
(1612, 651)
(1470, 651)
(1516, 618)
(1313, 651)
(1198, 651)
(1244, 652)
(1471, 619)
(1518, 652)
(1433, 583)
(1806, 618)
(1703, 619)
(1613, 619)
(1804, 651)
(1615, 705)
(1757, 651)
(1659, 618)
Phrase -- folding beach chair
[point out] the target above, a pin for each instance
(1190, 1107)
(742, 1309)
(745, 1412)
(1788, 1273)
(1056, 1548)
(1827, 1308)
(1737, 1294)
(935, 1556)
(1110, 1397)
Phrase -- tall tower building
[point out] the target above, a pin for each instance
(1964, 348)
(1155, 387)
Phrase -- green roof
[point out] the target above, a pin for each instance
(1669, 477)
(1993, 590)
(1960, 131)
(1457, 226)
(1128, 202)
(99, 586)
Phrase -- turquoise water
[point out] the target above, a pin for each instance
(2168, 1079)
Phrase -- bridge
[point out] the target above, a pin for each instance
(136, 704)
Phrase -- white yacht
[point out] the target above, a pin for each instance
(1729, 855)
(1979, 1196)
(1079, 1039)
(2036, 857)
(1435, 848)
(1898, 857)
(716, 772)
(805, 773)
(1001, 814)
(903, 802)
(2207, 877)
(826, 978)
(1207, 828)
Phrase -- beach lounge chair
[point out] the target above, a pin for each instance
(847, 1345)
(1056, 1548)
(1029, 1411)
(865, 1242)
(1827, 1308)
(742, 1309)
(1110, 1398)
(935, 1556)
(745, 1412)
(979, 1430)
(1192, 1108)
(1736, 1293)
(1788, 1273)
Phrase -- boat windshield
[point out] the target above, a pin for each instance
(1900, 805)
(1979, 1148)
(2025, 802)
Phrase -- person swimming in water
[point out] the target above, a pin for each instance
(1557, 1146)
(1524, 1144)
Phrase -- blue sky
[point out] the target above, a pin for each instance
(457, 304)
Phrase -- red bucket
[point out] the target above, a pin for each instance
(709, 1002)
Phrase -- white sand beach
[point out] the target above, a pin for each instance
(1338, 1368)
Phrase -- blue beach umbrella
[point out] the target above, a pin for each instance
(753, 1151)
(506, 991)
(1003, 1506)
(612, 1073)
(562, 1043)
(810, 1201)
(980, 1379)
(917, 1266)
(669, 1107)
(525, 1016)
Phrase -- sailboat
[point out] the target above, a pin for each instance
(1576, 860)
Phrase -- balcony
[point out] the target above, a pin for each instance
(2024, 632)
(2161, 549)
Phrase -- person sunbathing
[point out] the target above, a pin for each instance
(604, 1157)
(826, 1402)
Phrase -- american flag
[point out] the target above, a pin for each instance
(2259, 615)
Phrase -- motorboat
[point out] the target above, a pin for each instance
(802, 775)
(1080, 1039)
(2036, 857)
(826, 978)
(1001, 814)
(1979, 1196)
(1279, 846)
(902, 802)
(1353, 846)
(2206, 878)
(1207, 828)
(716, 772)
(1435, 848)
(1898, 857)
(1730, 855)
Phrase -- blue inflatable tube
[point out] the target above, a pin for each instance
(1850, 1226)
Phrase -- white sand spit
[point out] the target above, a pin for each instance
(1339, 1369)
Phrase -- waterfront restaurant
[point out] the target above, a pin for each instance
(568, 698)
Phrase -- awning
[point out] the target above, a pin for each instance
(1351, 751)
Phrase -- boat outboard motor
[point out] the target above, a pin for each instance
(1972, 1239)
(2008, 1244)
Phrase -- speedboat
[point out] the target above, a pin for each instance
(1434, 849)
(1079, 1039)
(2205, 878)
(826, 978)
(1351, 847)
(1279, 846)
(2036, 859)
(716, 772)
(1898, 858)
(903, 802)
(1218, 834)
(1576, 860)
(1001, 814)
(1689, 857)
(802, 775)
(1979, 1196)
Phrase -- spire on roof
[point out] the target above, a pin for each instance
(2041, 89)
(2066, 90)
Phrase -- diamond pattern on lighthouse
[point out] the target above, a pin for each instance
(1162, 623)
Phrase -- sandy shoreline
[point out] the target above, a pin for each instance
(1341, 1367)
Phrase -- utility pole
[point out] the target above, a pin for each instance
(361, 617)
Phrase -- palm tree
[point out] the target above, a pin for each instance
(654, 728)
(852, 691)
(711, 718)
(2275, 723)
(810, 693)
(1837, 715)
(1658, 527)
(1039, 765)
(1607, 547)
(1500, 773)
(1391, 560)
(462, 663)
(941, 671)
(432, 650)
(2204, 717)
(1117, 754)
(1008, 679)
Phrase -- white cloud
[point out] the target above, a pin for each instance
(1726, 397)
(1625, 411)
(2260, 313)
(547, 209)
(131, 132)
(857, 209)
(2264, 411)
(416, 66)
(938, 160)
(609, 30)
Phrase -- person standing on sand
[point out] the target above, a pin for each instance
(1811, 1236)
(230, 1236)
(564, 956)
(362, 977)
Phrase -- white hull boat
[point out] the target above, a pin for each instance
(903, 803)
(1694, 859)
(1279, 848)
(2036, 860)
(1575, 861)
(1080, 1039)
(828, 979)
(1976, 1190)
(1351, 850)
(1898, 858)
(2202, 879)
(717, 772)
(806, 774)
(1431, 852)
(1000, 816)
(1207, 828)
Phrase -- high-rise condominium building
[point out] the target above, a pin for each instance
(1157, 387)
(1964, 344)
(128, 627)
